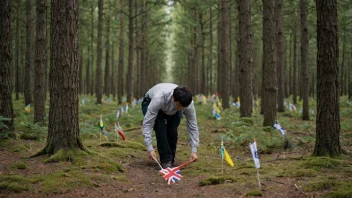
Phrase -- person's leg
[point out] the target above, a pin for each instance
(162, 138)
(173, 122)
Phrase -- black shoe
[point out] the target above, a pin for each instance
(166, 164)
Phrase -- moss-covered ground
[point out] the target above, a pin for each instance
(118, 168)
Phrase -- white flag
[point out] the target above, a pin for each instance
(255, 156)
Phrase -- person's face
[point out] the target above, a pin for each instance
(178, 106)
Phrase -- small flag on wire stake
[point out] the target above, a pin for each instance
(28, 108)
(118, 130)
(280, 128)
(255, 156)
(103, 132)
(172, 175)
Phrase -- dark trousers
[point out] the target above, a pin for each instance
(166, 132)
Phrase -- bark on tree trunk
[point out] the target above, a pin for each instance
(6, 108)
(245, 58)
(98, 80)
(294, 65)
(120, 79)
(328, 115)
(40, 62)
(211, 51)
(107, 84)
(270, 81)
(225, 53)
(63, 130)
(28, 81)
(304, 58)
(129, 80)
(18, 47)
(280, 49)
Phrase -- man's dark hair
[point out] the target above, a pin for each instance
(183, 95)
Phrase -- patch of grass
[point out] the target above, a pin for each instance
(215, 181)
(317, 163)
(253, 193)
(129, 144)
(67, 155)
(108, 167)
(320, 185)
(329, 184)
(19, 165)
(101, 162)
(346, 193)
(29, 136)
(60, 181)
(14, 183)
(120, 178)
(20, 148)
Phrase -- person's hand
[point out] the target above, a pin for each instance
(152, 155)
(194, 156)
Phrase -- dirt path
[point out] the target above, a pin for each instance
(144, 180)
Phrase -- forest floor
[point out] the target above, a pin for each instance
(118, 168)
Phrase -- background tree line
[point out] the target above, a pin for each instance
(244, 49)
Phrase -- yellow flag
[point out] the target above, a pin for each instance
(228, 158)
(28, 108)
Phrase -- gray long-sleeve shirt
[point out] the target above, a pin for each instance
(161, 99)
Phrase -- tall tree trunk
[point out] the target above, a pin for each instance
(211, 50)
(28, 90)
(87, 81)
(270, 81)
(40, 62)
(91, 74)
(113, 72)
(137, 72)
(129, 80)
(107, 84)
(80, 62)
(18, 47)
(290, 84)
(98, 80)
(120, 82)
(328, 115)
(6, 108)
(342, 73)
(225, 52)
(280, 49)
(202, 64)
(63, 131)
(194, 53)
(304, 58)
(245, 58)
(89, 63)
(294, 65)
(218, 62)
(143, 84)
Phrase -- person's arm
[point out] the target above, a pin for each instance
(192, 127)
(149, 121)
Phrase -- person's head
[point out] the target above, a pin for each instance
(182, 97)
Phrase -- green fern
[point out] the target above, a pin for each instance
(2, 124)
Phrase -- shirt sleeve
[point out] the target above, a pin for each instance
(149, 121)
(192, 127)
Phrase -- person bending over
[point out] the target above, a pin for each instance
(163, 107)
